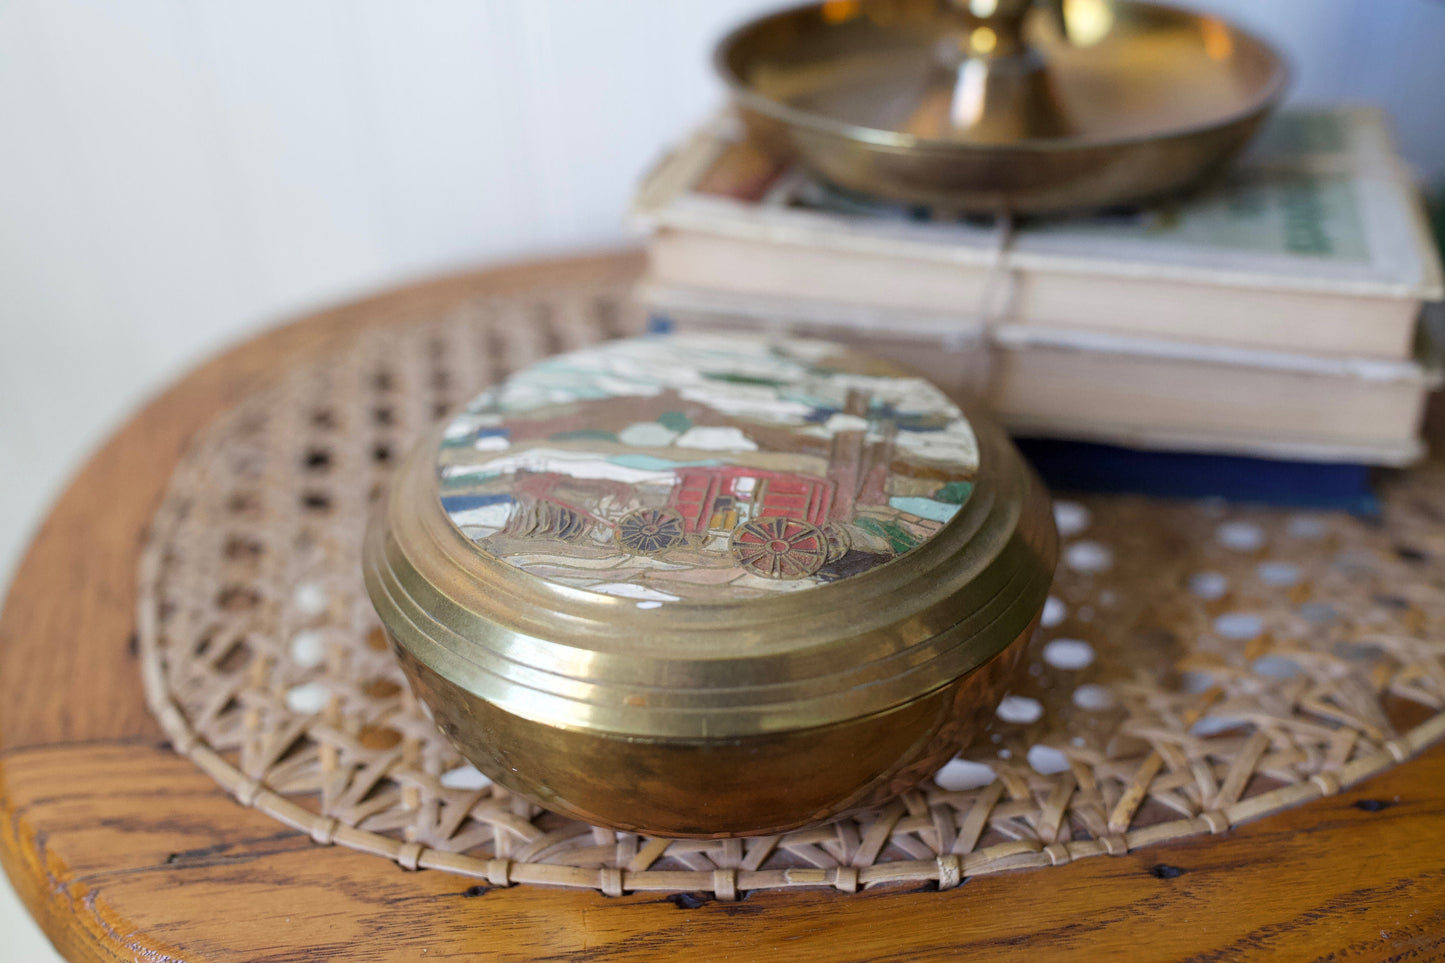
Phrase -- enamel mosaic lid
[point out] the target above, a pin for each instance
(689, 536)
(705, 468)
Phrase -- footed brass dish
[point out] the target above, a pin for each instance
(710, 586)
(990, 106)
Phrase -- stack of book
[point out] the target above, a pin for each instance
(1272, 314)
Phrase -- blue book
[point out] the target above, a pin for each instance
(1089, 467)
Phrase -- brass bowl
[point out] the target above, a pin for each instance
(1110, 103)
(772, 700)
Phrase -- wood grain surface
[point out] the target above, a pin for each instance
(123, 850)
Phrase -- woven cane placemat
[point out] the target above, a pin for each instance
(1198, 665)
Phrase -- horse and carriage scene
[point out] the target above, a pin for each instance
(699, 467)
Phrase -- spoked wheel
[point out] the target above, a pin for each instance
(650, 531)
(782, 548)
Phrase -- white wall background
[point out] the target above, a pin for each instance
(174, 173)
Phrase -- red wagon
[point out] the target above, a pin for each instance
(778, 523)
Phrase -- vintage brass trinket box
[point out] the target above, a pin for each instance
(707, 586)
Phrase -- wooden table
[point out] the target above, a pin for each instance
(123, 850)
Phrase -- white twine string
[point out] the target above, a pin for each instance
(997, 303)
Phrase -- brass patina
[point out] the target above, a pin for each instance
(993, 106)
(724, 716)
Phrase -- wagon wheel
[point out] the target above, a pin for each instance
(781, 548)
(650, 531)
(839, 541)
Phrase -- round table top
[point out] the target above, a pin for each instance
(124, 850)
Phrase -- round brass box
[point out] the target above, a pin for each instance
(710, 586)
